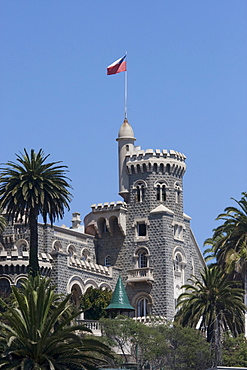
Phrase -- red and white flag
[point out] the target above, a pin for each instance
(117, 67)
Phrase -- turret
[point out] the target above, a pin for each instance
(126, 146)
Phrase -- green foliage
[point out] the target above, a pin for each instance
(119, 332)
(188, 349)
(229, 241)
(94, 302)
(37, 332)
(157, 345)
(3, 223)
(235, 351)
(213, 303)
(29, 188)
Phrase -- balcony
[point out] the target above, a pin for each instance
(140, 275)
(93, 325)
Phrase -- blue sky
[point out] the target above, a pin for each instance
(187, 91)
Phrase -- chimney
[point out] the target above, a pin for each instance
(76, 221)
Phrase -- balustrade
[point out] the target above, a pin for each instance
(140, 275)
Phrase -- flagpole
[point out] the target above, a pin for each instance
(125, 92)
(125, 95)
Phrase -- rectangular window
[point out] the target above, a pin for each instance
(142, 229)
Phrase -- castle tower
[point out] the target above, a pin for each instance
(148, 236)
(125, 146)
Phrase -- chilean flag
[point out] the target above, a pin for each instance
(118, 66)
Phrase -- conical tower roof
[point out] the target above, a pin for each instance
(126, 131)
(119, 299)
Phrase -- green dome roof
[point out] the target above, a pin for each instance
(120, 299)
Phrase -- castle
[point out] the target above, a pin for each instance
(146, 238)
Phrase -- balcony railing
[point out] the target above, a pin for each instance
(95, 326)
(144, 274)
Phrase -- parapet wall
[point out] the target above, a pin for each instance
(106, 212)
(164, 161)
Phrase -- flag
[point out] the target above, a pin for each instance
(118, 66)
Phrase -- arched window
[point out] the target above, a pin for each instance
(139, 185)
(57, 246)
(85, 254)
(178, 262)
(22, 246)
(142, 302)
(108, 261)
(76, 294)
(142, 258)
(142, 307)
(177, 192)
(161, 191)
(71, 251)
(102, 226)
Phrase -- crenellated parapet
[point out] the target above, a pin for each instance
(15, 260)
(164, 161)
(89, 266)
(103, 216)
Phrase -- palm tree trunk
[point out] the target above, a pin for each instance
(245, 299)
(217, 341)
(33, 267)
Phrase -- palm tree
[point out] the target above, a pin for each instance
(229, 241)
(29, 188)
(212, 303)
(37, 332)
(3, 223)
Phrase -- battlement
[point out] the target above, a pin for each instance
(89, 266)
(151, 153)
(106, 213)
(164, 161)
(20, 260)
(108, 206)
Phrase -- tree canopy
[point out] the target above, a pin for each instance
(229, 240)
(31, 187)
(3, 223)
(212, 303)
(94, 301)
(157, 345)
(38, 332)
